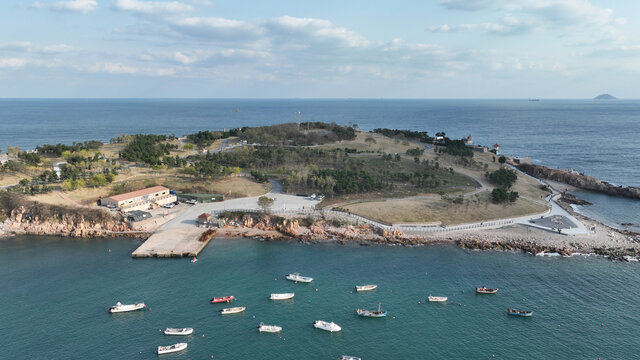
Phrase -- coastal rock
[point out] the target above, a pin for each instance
(578, 180)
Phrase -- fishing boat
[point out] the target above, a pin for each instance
(178, 331)
(326, 326)
(371, 313)
(348, 357)
(284, 296)
(226, 299)
(171, 348)
(233, 310)
(366, 287)
(118, 307)
(299, 278)
(195, 259)
(269, 328)
(437, 298)
(484, 290)
(516, 312)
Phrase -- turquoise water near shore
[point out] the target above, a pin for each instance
(55, 294)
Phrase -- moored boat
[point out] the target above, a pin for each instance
(516, 312)
(299, 278)
(171, 348)
(366, 287)
(348, 357)
(326, 326)
(233, 310)
(371, 313)
(283, 296)
(269, 328)
(178, 331)
(226, 299)
(437, 298)
(484, 290)
(118, 307)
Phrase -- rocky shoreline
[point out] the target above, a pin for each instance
(578, 180)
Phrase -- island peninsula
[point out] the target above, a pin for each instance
(310, 182)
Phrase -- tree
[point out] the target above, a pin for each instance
(265, 203)
(24, 182)
(502, 159)
(503, 177)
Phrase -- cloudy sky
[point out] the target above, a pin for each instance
(320, 49)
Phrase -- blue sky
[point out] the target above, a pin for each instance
(320, 49)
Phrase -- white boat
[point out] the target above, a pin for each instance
(118, 307)
(269, 328)
(233, 310)
(171, 348)
(299, 278)
(366, 287)
(284, 296)
(178, 331)
(326, 326)
(437, 298)
(348, 357)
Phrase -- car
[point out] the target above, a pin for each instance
(169, 205)
(191, 201)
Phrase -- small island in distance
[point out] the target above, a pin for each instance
(605, 97)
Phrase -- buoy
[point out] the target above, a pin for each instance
(601, 324)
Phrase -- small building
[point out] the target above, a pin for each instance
(521, 160)
(137, 215)
(468, 140)
(144, 199)
(204, 219)
(478, 148)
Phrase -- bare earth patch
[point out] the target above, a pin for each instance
(431, 210)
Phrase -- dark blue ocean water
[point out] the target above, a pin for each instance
(599, 138)
(54, 295)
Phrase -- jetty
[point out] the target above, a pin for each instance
(175, 242)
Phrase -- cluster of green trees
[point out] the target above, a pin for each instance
(30, 158)
(206, 138)
(260, 177)
(58, 149)
(147, 149)
(415, 151)
(421, 136)
(13, 166)
(294, 135)
(456, 148)
(26, 187)
(505, 178)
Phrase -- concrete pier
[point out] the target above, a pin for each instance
(173, 242)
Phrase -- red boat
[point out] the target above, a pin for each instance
(227, 299)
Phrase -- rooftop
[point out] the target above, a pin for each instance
(135, 194)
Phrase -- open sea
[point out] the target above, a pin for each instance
(55, 294)
(597, 137)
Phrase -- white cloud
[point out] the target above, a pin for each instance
(13, 62)
(153, 7)
(309, 29)
(81, 6)
(56, 49)
(521, 16)
(112, 68)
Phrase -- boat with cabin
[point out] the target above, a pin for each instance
(222, 299)
(119, 307)
(371, 313)
(326, 326)
(516, 312)
(299, 278)
(171, 348)
(269, 328)
(485, 290)
(178, 331)
(437, 298)
(233, 310)
(349, 357)
(283, 296)
(366, 287)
